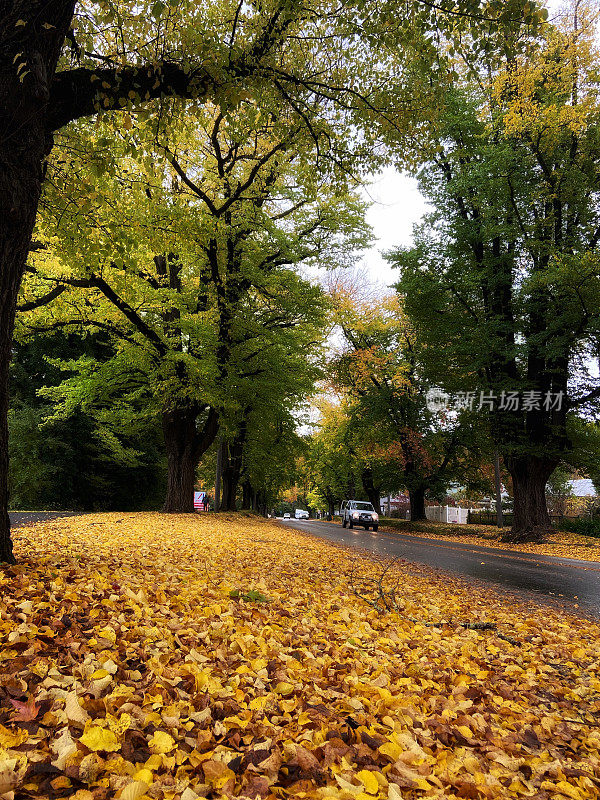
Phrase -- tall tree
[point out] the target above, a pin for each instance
(197, 283)
(392, 430)
(503, 284)
(81, 462)
(330, 464)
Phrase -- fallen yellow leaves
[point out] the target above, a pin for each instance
(150, 657)
(96, 738)
(161, 742)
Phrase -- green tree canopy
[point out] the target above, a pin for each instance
(503, 282)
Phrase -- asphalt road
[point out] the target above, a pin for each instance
(18, 518)
(570, 582)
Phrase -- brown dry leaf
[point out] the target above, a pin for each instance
(25, 712)
(75, 713)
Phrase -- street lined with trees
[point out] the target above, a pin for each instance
(191, 343)
(189, 170)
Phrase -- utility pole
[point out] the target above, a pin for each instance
(499, 518)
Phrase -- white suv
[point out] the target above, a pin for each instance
(357, 512)
(300, 513)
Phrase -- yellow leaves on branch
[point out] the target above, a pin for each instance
(552, 92)
(525, 113)
(131, 669)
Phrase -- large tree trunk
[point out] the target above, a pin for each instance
(15, 234)
(531, 521)
(417, 505)
(31, 35)
(179, 428)
(247, 496)
(11, 263)
(261, 503)
(21, 157)
(230, 484)
(232, 469)
(371, 490)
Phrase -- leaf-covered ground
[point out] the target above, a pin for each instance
(562, 544)
(151, 656)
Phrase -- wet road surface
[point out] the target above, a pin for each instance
(568, 581)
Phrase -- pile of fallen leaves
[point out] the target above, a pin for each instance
(560, 544)
(149, 656)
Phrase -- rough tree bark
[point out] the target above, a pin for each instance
(24, 145)
(371, 490)
(531, 521)
(417, 505)
(31, 37)
(179, 429)
(185, 445)
(232, 469)
(247, 496)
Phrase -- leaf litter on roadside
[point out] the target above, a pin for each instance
(141, 659)
(560, 544)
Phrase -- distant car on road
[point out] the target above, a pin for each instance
(287, 515)
(357, 512)
(300, 513)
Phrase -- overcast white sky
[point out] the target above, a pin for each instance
(396, 206)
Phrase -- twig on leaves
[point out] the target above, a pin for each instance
(383, 597)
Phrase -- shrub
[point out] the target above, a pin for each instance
(586, 526)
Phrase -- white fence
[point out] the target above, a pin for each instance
(447, 514)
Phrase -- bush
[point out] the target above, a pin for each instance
(485, 517)
(586, 526)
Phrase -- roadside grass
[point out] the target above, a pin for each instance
(175, 657)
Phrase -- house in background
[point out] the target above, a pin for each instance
(577, 496)
(583, 487)
(397, 506)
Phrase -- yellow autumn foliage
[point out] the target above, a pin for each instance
(308, 693)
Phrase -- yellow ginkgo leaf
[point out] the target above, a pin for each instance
(284, 688)
(144, 775)
(134, 790)
(75, 713)
(161, 742)
(10, 738)
(97, 738)
(108, 633)
(369, 781)
(569, 790)
(394, 792)
(120, 725)
(391, 749)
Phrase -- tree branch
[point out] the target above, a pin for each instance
(43, 300)
(83, 92)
